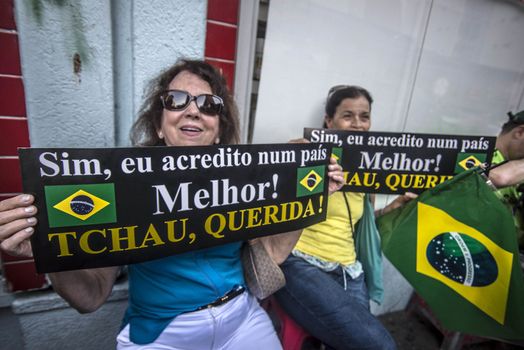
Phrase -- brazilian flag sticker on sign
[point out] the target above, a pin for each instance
(78, 205)
(310, 180)
(466, 161)
(336, 153)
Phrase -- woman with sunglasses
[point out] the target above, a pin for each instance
(325, 290)
(194, 300)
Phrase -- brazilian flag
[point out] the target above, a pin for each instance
(466, 161)
(310, 180)
(456, 244)
(336, 153)
(78, 205)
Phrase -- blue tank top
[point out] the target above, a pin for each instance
(159, 290)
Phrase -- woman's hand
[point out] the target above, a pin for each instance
(17, 221)
(336, 176)
(300, 140)
(335, 173)
(398, 202)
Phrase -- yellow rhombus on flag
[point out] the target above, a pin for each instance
(490, 298)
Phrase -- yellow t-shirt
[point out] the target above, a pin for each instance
(332, 240)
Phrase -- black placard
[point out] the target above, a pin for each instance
(105, 207)
(395, 163)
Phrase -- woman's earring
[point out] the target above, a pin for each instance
(160, 135)
(217, 140)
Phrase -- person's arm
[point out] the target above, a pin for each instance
(508, 174)
(400, 201)
(85, 290)
(279, 246)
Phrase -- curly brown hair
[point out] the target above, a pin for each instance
(144, 130)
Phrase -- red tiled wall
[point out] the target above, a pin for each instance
(221, 36)
(7, 18)
(20, 273)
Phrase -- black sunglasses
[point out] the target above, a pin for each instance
(336, 88)
(178, 100)
(356, 90)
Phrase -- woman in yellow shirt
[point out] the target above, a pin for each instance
(325, 290)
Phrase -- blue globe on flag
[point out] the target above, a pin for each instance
(82, 205)
(462, 259)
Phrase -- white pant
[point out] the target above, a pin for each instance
(239, 324)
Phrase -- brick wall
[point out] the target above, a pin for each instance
(20, 273)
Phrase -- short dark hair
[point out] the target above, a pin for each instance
(340, 92)
(144, 130)
(514, 121)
